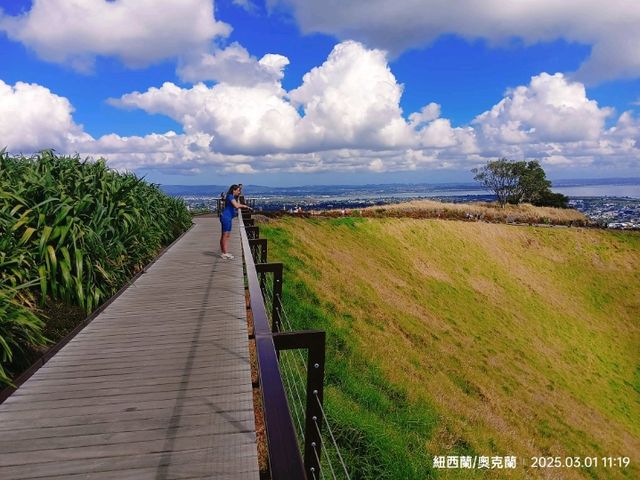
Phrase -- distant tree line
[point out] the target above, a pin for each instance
(519, 182)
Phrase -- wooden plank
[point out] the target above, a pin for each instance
(136, 379)
(154, 358)
(157, 386)
(227, 411)
(164, 463)
(165, 381)
(195, 461)
(203, 432)
(33, 403)
(150, 422)
(131, 335)
(113, 375)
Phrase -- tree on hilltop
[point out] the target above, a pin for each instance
(518, 182)
(499, 176)
(532, 182)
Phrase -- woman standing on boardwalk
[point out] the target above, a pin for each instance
(226, 219)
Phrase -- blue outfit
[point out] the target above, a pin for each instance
(227, 214)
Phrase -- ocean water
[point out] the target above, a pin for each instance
(631, 191)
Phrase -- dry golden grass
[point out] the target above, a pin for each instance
(489, 212)
(526, 339)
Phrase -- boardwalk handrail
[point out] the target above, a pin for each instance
(285, 459)
(246, 201)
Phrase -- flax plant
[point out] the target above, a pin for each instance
(74, 231)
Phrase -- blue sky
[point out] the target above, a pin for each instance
(391, 94)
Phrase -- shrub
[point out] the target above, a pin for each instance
(73, 230)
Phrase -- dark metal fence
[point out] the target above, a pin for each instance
(285, 459)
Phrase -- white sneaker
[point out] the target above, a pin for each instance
(228, 256)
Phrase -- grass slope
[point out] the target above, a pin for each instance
(458, 338)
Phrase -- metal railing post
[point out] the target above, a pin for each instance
(259, 244)
(277, 299)
(255, 245)
(276, 308)
(314, 342)
(253, 232)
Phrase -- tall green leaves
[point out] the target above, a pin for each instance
(19, 327)
(75, 231)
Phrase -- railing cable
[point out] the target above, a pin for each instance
(333, 439)
(287, 322)
(325, 450)
(295, 368)
(295, 410)
(285, 315)
(315, 452)
(269, 295)
(297, 392)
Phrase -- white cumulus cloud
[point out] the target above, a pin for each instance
(250, 120)
(139, 32)
(611, 27)
(351, 100)
(550, 109)
(33, 118)
(344, 117)
(427, 114)
(553, 120)
(169, 151)
(248, 5)
(232, 65)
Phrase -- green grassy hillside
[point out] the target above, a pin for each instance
(457, 338)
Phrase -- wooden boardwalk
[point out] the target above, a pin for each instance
(158, 386)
